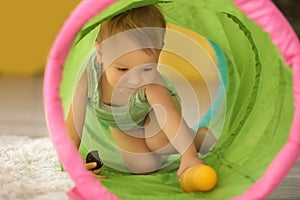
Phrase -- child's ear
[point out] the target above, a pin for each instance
(98, 52)
(96, 44)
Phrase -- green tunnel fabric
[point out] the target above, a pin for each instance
(259, 104)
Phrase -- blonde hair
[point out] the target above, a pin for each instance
(137, 18)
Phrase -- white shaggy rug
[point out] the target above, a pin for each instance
(30, 169)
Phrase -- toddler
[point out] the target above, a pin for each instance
(140, 106)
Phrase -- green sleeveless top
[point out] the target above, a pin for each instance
(127, 117)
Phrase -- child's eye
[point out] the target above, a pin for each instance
(148, 69)
(122, 69)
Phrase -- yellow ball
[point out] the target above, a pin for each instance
(198, 178)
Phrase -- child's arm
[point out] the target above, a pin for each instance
(168, 116)
(76, 115)
(173, 125)
(76, 118)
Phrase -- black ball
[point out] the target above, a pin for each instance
(93, 156)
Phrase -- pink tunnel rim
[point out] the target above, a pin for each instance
(268, 16)
(263, 12)
(69, 156)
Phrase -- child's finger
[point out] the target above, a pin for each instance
(97, 171)
(100, 177)
(90, 165)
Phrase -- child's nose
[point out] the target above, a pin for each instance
(135, 78)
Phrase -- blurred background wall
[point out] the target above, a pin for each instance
(29, 27)
(291, 9)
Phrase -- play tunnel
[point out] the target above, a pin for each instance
(254, 95)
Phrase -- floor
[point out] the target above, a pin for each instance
(21, 106)
(22, 113)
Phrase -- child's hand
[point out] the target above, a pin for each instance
(90, 166)
(94, 164)
(187, 162)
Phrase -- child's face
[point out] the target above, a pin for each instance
(131, 71)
